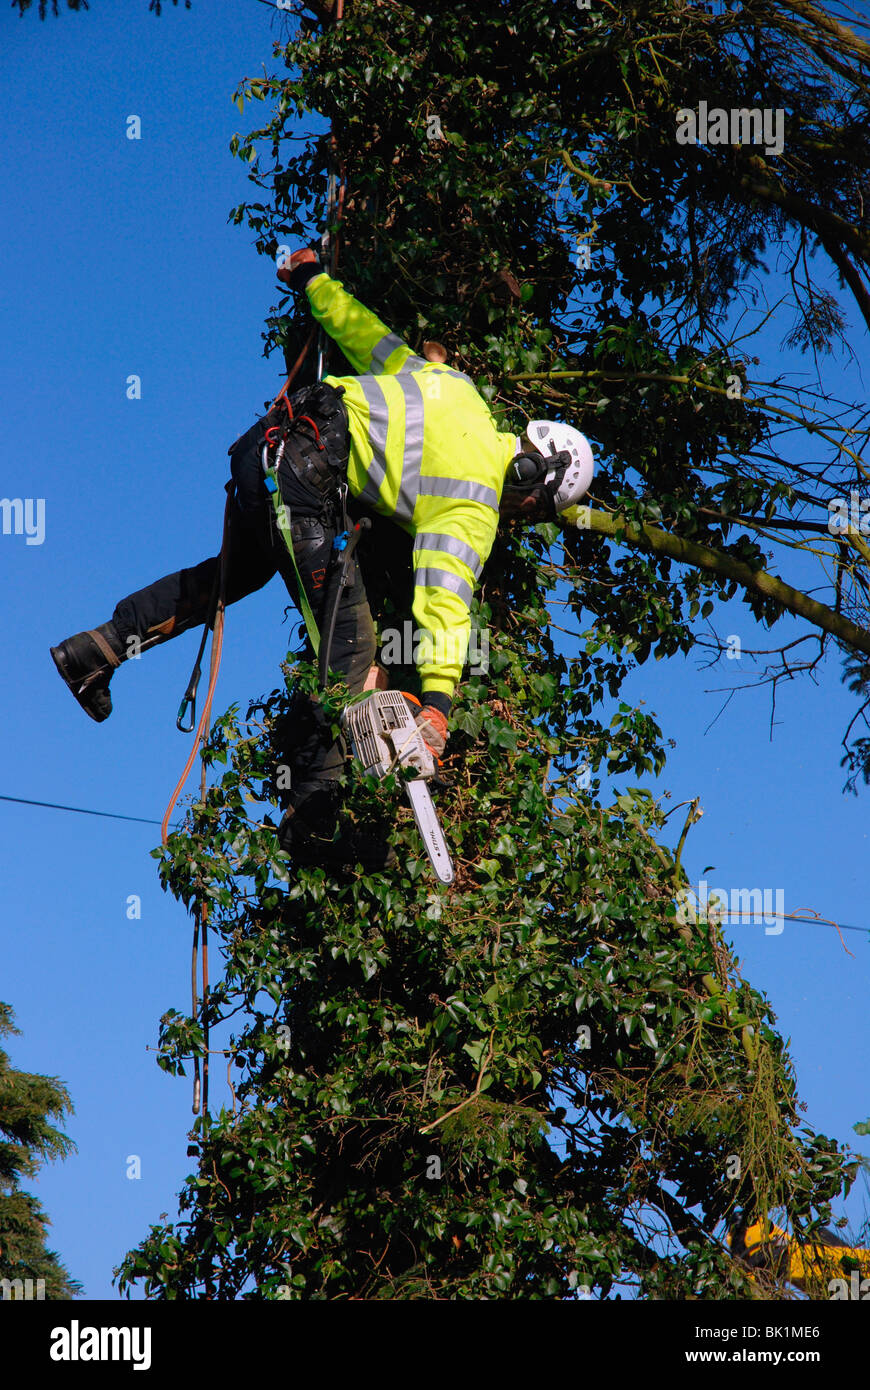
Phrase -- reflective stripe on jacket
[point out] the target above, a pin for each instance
(424, 450)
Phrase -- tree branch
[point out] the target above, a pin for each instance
(714, 562)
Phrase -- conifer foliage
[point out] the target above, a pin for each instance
(28, 1104)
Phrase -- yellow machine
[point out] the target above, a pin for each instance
(827, 1261)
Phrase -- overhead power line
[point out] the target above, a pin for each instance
(141, 820)
(82, 810)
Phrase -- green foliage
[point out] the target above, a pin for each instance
(558, 130)
(539, 1080)
(416, 1114)
(27, 1140)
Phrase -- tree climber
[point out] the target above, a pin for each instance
(413, 441)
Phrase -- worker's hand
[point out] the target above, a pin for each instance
(431, 723)
(299, 268)
(377, 678)
(433, 726)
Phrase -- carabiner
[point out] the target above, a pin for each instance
(186, 728)
(190, 693)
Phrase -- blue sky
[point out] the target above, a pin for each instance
(119, 261)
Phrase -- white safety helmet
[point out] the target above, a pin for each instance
(552, 437)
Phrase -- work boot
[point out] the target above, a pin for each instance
(86, 662)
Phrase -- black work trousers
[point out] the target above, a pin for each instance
(256, 552)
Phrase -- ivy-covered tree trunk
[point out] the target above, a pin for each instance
(541, 1081)
(535, 1082)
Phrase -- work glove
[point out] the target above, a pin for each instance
(432, 725)
(300, 267)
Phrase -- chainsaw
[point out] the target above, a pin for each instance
(385, 737)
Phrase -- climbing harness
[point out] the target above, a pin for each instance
(276, 440)
(283, 437)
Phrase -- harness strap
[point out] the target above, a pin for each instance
(310, 465)
(104, 647)
(284, 523)
(284, 439)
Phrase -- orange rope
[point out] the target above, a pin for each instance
(217, 642)
(293, 370)
(203, 920)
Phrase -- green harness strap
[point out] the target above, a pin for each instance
(282, 517)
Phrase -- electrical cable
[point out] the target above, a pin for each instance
(143, 820)
(82, 810)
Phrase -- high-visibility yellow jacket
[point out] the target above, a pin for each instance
(425, 451)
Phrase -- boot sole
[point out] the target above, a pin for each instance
(74, 684)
